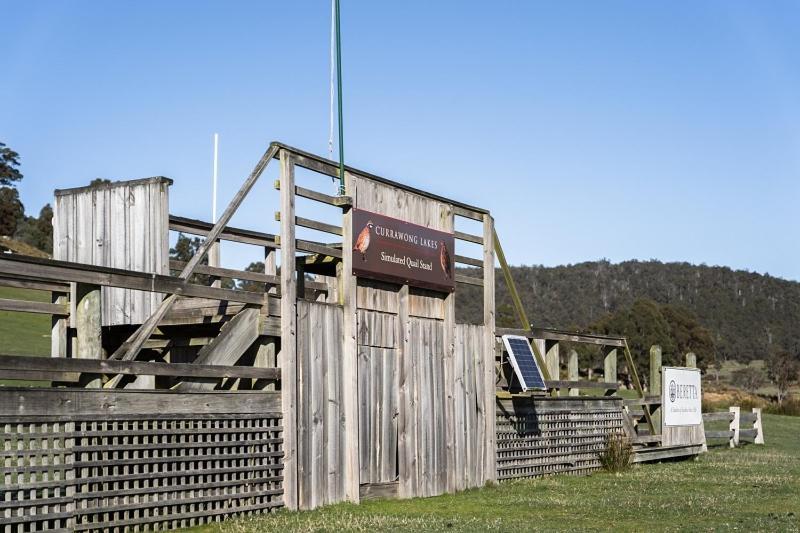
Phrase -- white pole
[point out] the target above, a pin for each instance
(214, 186)
(213, 253)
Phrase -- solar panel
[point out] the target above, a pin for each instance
(522, 359)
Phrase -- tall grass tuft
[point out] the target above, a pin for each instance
(618, 453)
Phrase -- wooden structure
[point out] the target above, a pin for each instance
(752, 431)
(175, 402)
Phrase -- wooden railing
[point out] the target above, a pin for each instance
(740, 426)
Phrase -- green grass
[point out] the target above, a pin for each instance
(24, 333)
(753, 488)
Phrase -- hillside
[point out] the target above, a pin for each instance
(747, 313)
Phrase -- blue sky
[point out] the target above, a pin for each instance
(591, 130)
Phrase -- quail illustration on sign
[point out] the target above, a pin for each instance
(389, 249)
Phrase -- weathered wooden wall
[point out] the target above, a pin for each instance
(553, 435)
(320, 423)
(99, 460)
(122, 225)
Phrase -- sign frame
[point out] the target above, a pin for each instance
(681, 396)
(403, 252)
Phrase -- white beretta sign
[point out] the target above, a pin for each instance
(681, 397)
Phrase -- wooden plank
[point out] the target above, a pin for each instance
(319, 226)
(338, 201)
(288, 353)
(378, 491)
(561, 335)
(27, 403)
(467, 280)
(468, 261)
(199, 227)
(53, 366)
(234, 339)
(351, 470)
(468, 213)
(49, 269)
(717, 417)
(23, 306)
(468, 237)
(487, 400)
(229, 273)
(25, 283)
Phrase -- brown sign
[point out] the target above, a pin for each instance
(394, 250)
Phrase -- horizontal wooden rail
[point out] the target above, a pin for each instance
(61, 288)
(468, 237)
(469, 261)
(202, 228)
(25, 306)
(52, 270)
(228, 273)
(564, 384)
(560, 335)
(467, 280)
(49, 365)
(717, 417)
(313, 224)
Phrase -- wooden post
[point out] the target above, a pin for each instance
(490, 463)
(572, 372)
(691, 360)
(58, 330)
(734, 426)
(758, 427)
(88, 328)
(288, 354)
(351, 468)
(610, 364)
(655, 384)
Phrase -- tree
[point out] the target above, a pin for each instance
(749, 378)
(9, 160)
(783, 370)
(38, 232)
(12, 211)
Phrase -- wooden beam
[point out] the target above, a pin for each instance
(468, 237)
(234, 338)
(199, 227)
(229, 273)
(24, 306)
(287, 358)
(350, 468)
(23, 283)
(53, 366)
(468, 261)
(50, 269)
(467, 280)
(489, 365)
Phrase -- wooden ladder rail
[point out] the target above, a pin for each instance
(638, 385)
(521, 315)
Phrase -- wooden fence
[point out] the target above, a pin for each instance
(95, 460)
(741, 426)
(553, 435)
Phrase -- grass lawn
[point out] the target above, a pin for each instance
(24, 333)
(754, 488)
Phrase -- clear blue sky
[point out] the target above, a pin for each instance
(591, 130)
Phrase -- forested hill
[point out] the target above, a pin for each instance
(746, 313)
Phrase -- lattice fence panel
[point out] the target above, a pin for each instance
(135, 473)
(549, 441)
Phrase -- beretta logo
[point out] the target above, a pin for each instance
(673, 390)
